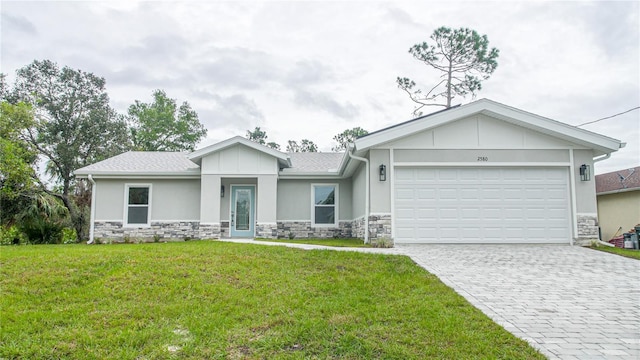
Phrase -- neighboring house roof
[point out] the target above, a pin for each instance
(315, 162)
(601, 144)
(143, 163)
(618, 181)
(197, 155)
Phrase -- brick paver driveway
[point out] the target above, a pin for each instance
(569, 302)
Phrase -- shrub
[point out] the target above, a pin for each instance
(40, 230)
(69, 236)
(383, 242)
(291, 235)
(11, 235)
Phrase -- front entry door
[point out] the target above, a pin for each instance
(243, 210)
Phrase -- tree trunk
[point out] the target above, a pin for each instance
(76, 217)
(449, 86)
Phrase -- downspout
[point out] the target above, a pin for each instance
(93, 209)
(366, 191)
(595, 160)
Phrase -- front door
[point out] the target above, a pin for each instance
(243, 210)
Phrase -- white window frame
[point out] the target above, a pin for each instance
(336, 200)
(125, 221)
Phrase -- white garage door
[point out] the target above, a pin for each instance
(482, 205)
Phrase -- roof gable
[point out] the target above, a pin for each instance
(601, 144)
(197, 155)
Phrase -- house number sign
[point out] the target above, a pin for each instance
(483, 158)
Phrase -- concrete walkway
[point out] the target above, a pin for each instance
(568, 302)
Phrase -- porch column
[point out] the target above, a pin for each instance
(267, 200)
(210, 206)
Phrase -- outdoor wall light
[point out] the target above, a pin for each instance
(383, 173)
(585, 172)
(222, 191)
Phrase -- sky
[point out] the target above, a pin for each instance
(311, 69)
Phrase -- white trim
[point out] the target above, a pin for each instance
(574, 206)
(210, 224)
(481, 164)
(255, 206)
(191, 175)
(125, 222)
(118, 220)
(392, 192)
(380, 213)
(336, 203)
(617, 191)
(588, 214)
(407, 147)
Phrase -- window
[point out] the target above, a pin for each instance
(324, 210)
(138, 200)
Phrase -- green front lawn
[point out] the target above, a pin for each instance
(325, 242)
(634, 254)
(206, 299)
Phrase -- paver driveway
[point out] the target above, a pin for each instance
(569, 302)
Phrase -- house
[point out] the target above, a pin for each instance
(618, 196)
(483, 172)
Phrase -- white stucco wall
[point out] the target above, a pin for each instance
(294, 199)
(171, 200)
(358, 186)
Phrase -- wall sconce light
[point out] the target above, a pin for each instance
(383, 172)
(222, 191)
(585, 172)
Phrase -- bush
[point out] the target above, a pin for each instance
(383, 242)
(69, 236)
(42, 231)
(11, 235)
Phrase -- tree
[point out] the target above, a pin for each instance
(260, 137)
(75, 126)
(304, 146)
(17, 155)
(464, 59)
(163, 126)
(346, 137)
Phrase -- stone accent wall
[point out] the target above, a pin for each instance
(357, 228)
(267, 231)
(173, 231)
(587, 229)
(379, 227)
(303, 229)
(225, 232)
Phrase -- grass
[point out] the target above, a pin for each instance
(634, 254)
(207, 299)
(358, 243)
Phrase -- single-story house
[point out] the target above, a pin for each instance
(482, 172)
(618, 196)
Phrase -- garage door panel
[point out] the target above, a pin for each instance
(468, 205)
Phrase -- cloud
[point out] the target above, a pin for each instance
(18, 24)
(324, 101)
(237, 112)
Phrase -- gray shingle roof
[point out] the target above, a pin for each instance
(143, 162)
(310, 162)
(618, 180)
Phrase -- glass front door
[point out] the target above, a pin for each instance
(242, 211)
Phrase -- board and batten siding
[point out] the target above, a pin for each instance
(239, 160)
